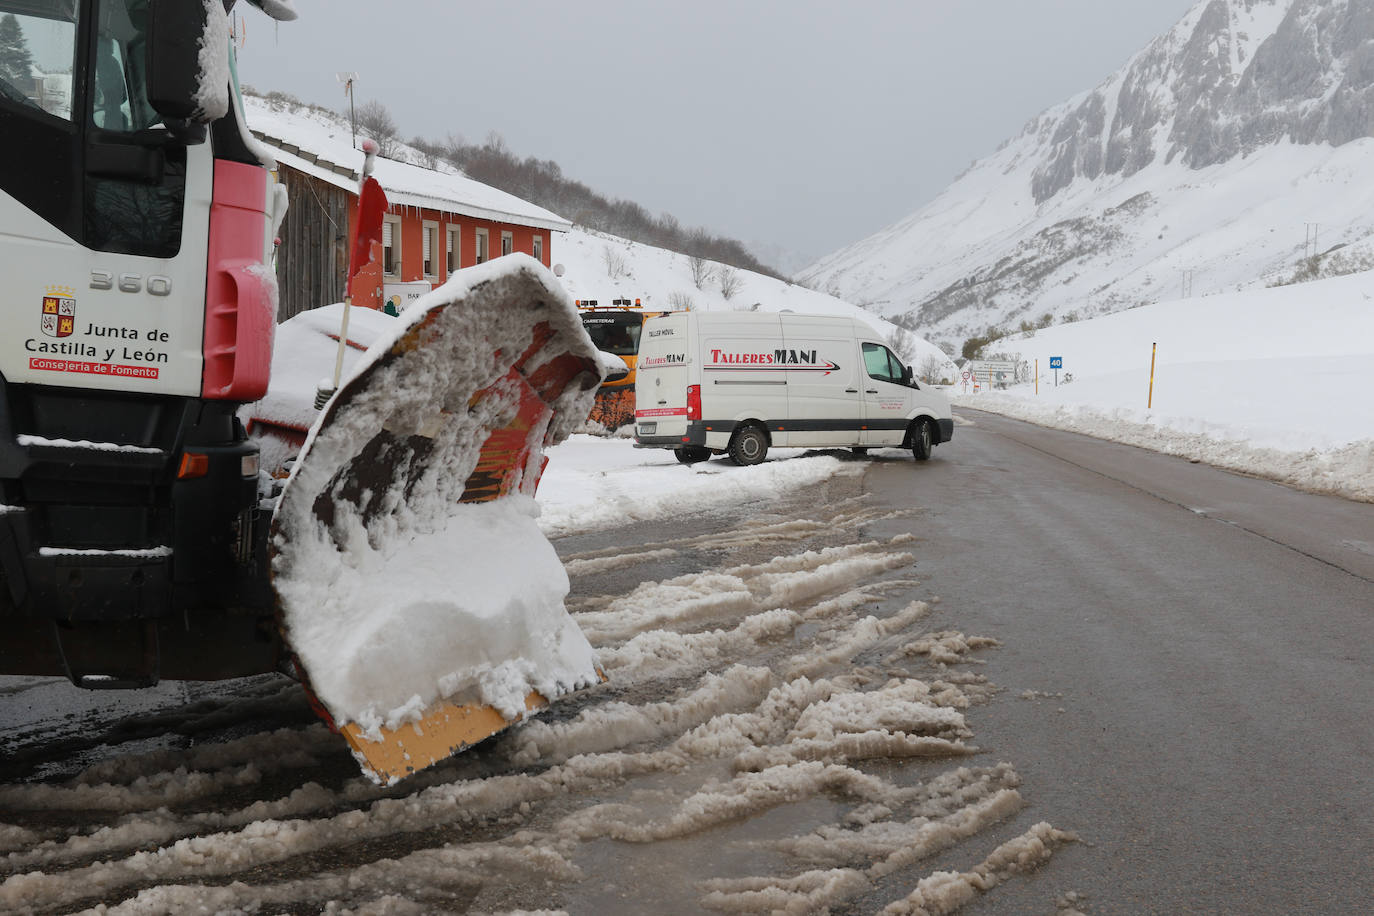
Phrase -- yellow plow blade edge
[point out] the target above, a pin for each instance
(443, 730)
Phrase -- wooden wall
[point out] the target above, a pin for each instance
(313, 256)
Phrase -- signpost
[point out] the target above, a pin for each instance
(1056, 363)
(995, 373)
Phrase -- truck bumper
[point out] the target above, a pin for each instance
(695, 435)
(112, 560)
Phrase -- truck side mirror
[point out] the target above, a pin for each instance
(180, 87)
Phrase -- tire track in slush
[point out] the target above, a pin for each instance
(741, 694)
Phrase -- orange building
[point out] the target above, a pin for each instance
(439, 220)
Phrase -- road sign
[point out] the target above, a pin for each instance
(1056, 362)
(966, 374)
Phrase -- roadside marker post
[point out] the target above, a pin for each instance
(1150, 401)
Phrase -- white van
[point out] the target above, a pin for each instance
(740, 382)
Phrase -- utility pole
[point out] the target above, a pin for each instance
(348, 79)
(1309, 243)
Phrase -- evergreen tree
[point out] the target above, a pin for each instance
(16, 63)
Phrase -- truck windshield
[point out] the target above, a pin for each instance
(120, 98)
(38, 55)
(614, 332)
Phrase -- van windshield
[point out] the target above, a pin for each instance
(614, 332)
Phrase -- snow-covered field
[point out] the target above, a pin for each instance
(593, 483)
(1274, 383)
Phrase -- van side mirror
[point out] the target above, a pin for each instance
(906, 375)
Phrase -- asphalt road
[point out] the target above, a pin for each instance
(1192, 654)
(1184, 681)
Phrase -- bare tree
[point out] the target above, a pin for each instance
(428, 152)
(902, 342)
(730, 282)
(681, 302)
(615, 262)
(376, 122)
(701, 271)
(931, 369)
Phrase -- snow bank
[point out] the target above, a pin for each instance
(1270, 383)
(593, 483)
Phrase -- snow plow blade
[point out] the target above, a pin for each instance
(442, 731)
(423, 605)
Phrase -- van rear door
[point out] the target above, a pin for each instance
(662, 376)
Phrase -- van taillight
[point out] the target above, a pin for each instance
(694, 402)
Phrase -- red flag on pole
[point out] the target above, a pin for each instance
(363, 285)
(371, 205)
(364, 262)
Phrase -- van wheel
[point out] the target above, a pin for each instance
(691, 454)
(749, 445)
(922, 440)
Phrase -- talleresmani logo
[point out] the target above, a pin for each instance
(59, 311)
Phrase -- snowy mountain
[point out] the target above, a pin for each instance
(1229, 154)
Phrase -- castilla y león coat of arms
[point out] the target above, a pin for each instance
(59, 311)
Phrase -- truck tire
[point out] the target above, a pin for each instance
(749, 445)
(922, 440)
(691, 454)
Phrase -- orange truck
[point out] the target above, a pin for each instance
(615, 329)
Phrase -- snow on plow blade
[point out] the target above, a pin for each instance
(422, 602)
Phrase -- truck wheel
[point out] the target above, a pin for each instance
(691, 454)
(922, 440)
(749, 445)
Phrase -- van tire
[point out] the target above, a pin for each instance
(749, 445)
(691, 454)
(922, 440)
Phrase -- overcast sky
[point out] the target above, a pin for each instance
(806, 124)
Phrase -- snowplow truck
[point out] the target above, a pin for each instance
(140, 538)
(615, 328)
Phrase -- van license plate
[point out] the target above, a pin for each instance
(648, 429)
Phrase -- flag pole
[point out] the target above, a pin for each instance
(371, 205)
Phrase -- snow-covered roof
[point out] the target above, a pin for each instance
(321, 145)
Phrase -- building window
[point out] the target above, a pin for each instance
(391, 245)
(483, 246)
(451, 248)
(539, 248)
(429, 234)
(507, 243)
